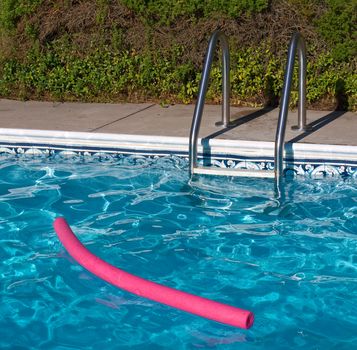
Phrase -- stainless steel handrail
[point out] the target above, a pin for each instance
(197, 115)
(297, 44)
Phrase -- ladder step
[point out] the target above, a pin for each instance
(234, 172)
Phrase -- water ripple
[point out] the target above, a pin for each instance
(294, 263)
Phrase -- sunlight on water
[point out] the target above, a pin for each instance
(293, 264)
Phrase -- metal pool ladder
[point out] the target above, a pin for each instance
(296, 44)
(197, 115)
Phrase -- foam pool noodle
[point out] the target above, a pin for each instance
(193, 304)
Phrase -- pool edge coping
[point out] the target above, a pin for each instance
(171, 144)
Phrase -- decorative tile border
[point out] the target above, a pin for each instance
(301, 159)
(298, 167)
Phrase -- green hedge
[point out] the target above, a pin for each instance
(104, 75)
(338, 27)
(111, 70)
(168, 11)
(12, 10)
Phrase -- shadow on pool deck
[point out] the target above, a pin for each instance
(318, 124)
(233, 124)
(237, 122)
(147, 119)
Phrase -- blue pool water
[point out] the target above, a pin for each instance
(294, 264)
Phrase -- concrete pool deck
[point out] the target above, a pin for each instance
(147, 119)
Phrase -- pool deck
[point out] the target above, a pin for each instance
(251, 124)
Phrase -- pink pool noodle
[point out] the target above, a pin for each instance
(203, 307)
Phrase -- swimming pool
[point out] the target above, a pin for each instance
(294, 264)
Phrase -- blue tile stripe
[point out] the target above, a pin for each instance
(293, 167)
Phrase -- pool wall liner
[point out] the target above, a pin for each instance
(197, 305)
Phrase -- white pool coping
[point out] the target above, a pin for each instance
(112, 142)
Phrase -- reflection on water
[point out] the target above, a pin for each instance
(291, 260)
